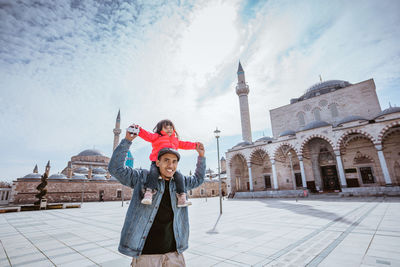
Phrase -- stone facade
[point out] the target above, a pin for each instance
(210, 188)
(86, 172)
(333, 137)
(65, 190)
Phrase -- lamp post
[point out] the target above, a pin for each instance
(216, 133)
(291, 171)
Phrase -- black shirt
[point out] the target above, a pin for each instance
(161, 239)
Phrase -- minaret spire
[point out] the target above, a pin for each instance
(35, 170)
(242, 90)
(117, 130)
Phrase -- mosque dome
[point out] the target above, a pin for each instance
(387, 111)
(78, 176)
(321, 88)
(99, 177)
(81, 170)
(314, 124)
(57, 176)
(32, 176)
(91, 152)
(245, 143)
(350, 119)
(99, 170)
(287, 132)
(265, 139)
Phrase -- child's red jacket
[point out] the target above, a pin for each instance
(161, 141)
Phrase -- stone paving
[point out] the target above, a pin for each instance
(257, 232)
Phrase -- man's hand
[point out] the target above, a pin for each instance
(200, 149)
(129, 136)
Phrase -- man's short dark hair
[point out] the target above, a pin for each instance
(168, 150)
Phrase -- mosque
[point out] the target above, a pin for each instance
(332, 139)
(85, 178)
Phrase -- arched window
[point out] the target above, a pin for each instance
(317, 114)
(300, 118)
(334, 110)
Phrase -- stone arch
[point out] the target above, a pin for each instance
(343, 137)
(312, 137)
(301, 118)
(362, 158)
(275, 151)
(234, 155)
(390, 141)
(257, 150)
(239, 172)
(385, 129)
(261, 169)
(316, 112)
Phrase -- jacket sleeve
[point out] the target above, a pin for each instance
(125, 175)
(147, 136)
(199, 174)
(186, 145)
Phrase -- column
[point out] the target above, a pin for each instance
(250, 177)
(340, 168)
(382, 160)
(274, 177)
(303, 173)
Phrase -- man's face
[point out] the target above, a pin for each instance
(167, 165)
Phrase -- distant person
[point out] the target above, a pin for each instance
(164, 135)
(156, 234)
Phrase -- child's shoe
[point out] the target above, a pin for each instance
(148, 197)
(182, 201)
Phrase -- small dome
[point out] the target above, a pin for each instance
(321, 88)
(99, 170)
(91, 152)
(350, 119)
(98, 177)
(287, 132)
(265, 139)
(33, 176)
(245, 143)
(314, 124)
(78, 176)
(387, 111)
(81, 170)
(57, 176)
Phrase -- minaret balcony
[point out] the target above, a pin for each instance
(242, 89)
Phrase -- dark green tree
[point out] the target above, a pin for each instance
(42, 186)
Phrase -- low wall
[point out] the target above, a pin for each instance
(371, 191)
(270, 194)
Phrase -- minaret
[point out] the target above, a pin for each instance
(117, 130)
(242, 90)
(47, 171)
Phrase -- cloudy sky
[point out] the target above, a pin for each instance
(67, 67)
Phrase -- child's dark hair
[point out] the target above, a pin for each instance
(163, 123)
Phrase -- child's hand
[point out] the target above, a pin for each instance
(129, 135)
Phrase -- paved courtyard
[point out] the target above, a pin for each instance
(271, 232)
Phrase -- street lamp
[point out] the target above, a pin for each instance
(291, 171)
(216, 133)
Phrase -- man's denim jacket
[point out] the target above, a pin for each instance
(139, 218)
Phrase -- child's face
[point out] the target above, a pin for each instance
(168, 129)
